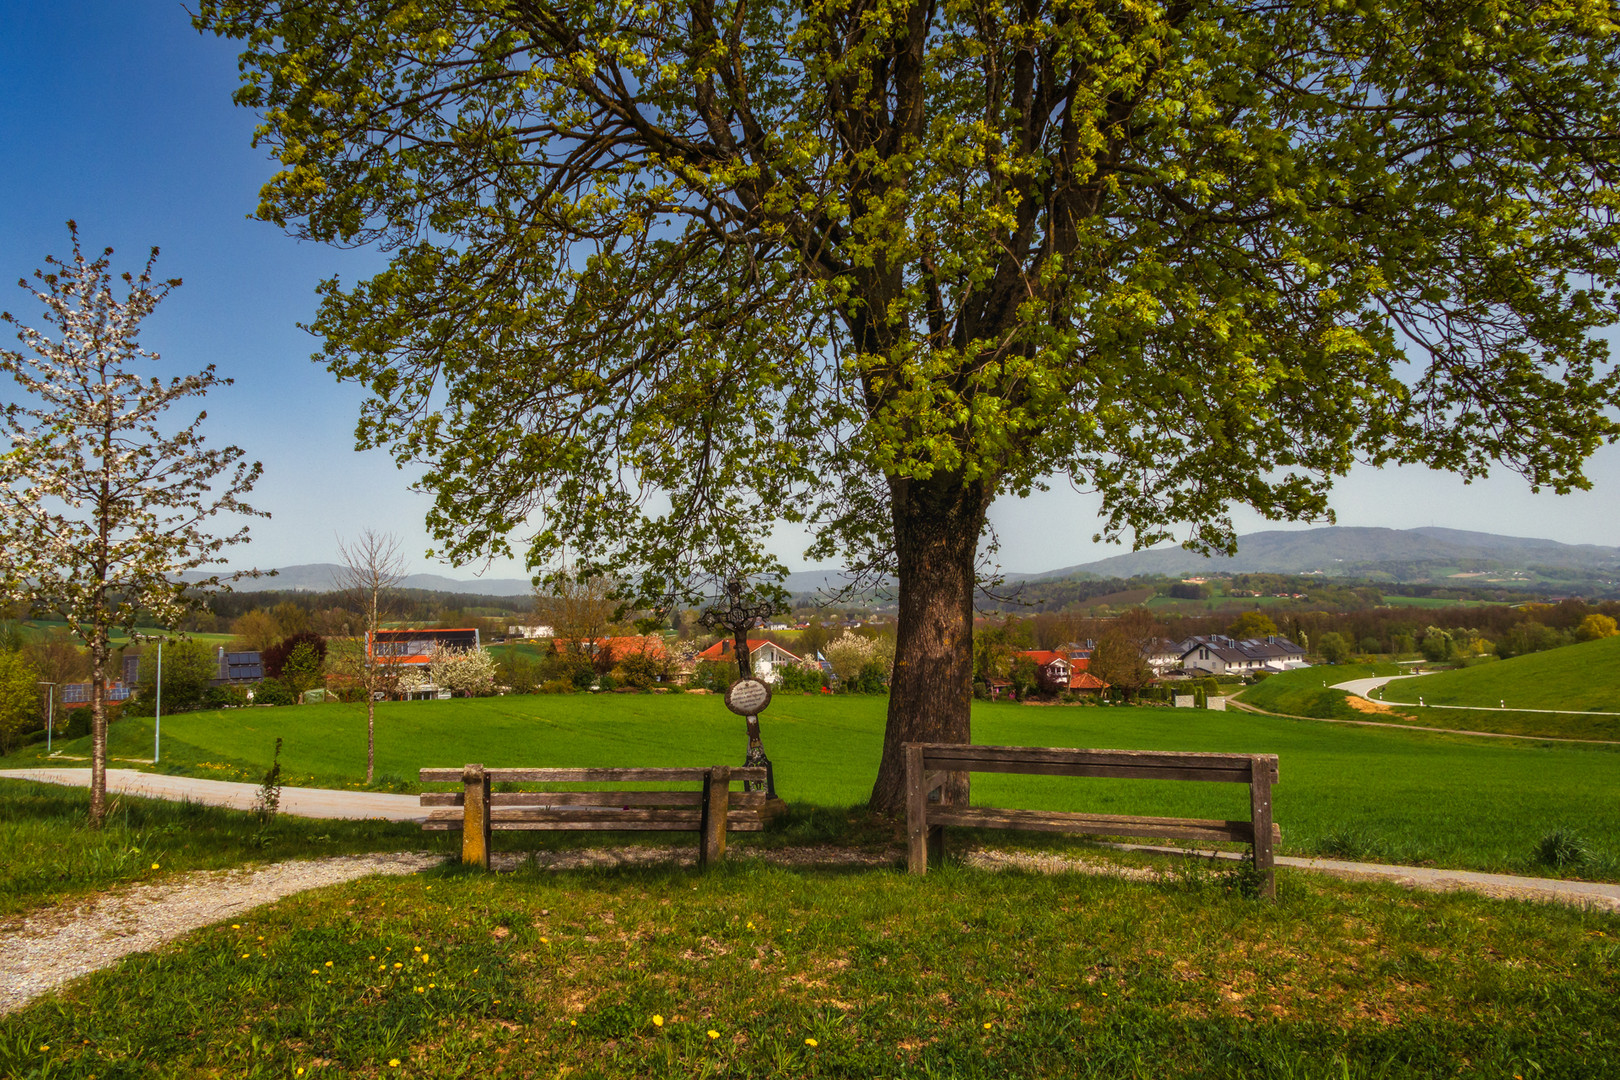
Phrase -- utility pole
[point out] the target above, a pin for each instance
(50, 714)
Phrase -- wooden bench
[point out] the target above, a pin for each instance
(929, 764)
(709, 809)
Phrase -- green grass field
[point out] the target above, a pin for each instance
(1583, 677)
(758, 971)
(1356, 792)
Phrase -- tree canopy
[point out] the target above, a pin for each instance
(667, 272)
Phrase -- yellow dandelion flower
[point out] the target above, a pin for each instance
(713, 1034)
(433, 986)
(371, 958)
(811, 1042)
(658, 1021)
(573, 1023)
(236, 926)
(261, 937)
(398, 965)
(154, 866)
(418, 948)
(545, 941)
(300, 1071)
(393, 1063)
(244, 956)
(329, 963)
(988, 1025)
(750, 926)
(44, 1046)
(313, 971)
(497, 1001)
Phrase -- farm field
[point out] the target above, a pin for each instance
(1346, 791)
(1584, 676)
(33, 629)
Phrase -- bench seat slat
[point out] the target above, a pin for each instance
(588, 820)
(1240, 832)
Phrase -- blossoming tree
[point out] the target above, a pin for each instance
(103, 506)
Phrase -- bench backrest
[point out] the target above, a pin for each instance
(1125, 764)
(590, 776)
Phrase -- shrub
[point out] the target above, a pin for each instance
(557, 686)
(1562, 850)
(273, 692)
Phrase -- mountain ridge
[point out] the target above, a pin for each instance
(1334, 550)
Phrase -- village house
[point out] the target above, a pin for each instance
(765, 658)
(1217, 654)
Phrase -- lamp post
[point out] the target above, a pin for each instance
(50, 714)
(157, 706)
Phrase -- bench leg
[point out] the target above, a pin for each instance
(922, 841)
(1265, 862)
(475, 832)
(716, 802)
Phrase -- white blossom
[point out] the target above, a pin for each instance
(102, 505)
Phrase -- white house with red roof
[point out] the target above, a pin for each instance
(764, 657)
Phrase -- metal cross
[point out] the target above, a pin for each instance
(739, 616)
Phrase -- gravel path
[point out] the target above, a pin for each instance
(46, 949)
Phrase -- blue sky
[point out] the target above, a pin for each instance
(118, 115)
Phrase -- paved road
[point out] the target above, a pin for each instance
(1364, 687)
(300, 802)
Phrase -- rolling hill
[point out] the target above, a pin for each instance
(1583, 677)
(1340, 551)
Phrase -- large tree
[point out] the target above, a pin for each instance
(669, 271)
(103, 503)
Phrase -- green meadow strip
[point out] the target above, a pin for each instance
(758, 971)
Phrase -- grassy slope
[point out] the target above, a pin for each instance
(755, 971)
(1303, 693)
(1386, 793)
(1584, 676)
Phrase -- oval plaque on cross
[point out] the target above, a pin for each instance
(748, 697)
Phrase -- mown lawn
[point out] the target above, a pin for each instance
(759, 971)
(48, 852)
(1345, 791)
(1584, 677)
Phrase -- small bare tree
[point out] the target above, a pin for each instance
(580, 608)
(101, 507)
(372, 569)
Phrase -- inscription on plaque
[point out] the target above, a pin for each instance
(748, 697)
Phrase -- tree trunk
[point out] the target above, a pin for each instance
(371, 731)
(936, 533)
(98, 726)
